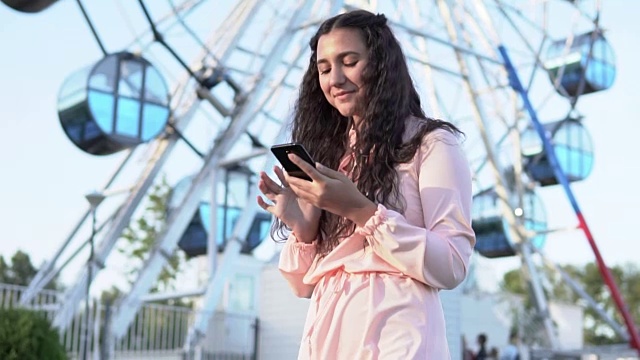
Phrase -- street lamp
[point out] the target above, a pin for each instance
(94, 198)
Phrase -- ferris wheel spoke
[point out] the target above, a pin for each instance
(231, 82)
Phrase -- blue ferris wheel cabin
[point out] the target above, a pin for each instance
(118, 103)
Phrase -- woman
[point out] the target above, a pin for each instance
(372, 242)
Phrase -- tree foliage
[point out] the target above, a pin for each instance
(513, 281)
(141, 235)
(28, 335)
(4, 271)
(20, 271)
(140, 238)
(596, 330)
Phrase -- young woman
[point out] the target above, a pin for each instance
(372, 241)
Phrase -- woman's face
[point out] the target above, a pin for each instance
(342, 58)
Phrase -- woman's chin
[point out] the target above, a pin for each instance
(346, 112)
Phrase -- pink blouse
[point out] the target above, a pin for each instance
(381, 301)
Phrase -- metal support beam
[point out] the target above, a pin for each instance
(181, 216)
(516, 230)
(591, 302)
(48, 270)
(75, 293)
(162, 149)
(514, 80)
(538, 294)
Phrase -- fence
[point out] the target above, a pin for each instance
(603, 352)
(157, 332)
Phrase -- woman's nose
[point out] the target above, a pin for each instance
(337, 77)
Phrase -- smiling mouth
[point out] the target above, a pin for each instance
(342, 94)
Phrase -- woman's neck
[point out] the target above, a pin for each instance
(356, 121)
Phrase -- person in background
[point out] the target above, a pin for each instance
(481, 354)
(467, 353)
(493, 353)
(511, 352)
(385, 222)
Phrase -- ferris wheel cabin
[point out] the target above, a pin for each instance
(194, 241)
(494, 238)
(118, 103)
(28, 6)
(581, 65)
(573, 149)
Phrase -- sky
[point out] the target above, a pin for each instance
(45, 177)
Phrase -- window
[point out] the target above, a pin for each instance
(241, 293)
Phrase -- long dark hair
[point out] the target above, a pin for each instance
(392, 101)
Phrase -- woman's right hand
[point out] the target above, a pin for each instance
(300, 216)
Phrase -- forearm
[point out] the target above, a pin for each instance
(437, 257)
(295, 260)
(361, 213)
(306, 230)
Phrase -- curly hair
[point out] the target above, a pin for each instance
(392, 101)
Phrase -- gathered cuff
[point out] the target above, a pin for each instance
(300, 247)
(374, 221)
(296, 257)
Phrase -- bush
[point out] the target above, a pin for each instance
(28, 335)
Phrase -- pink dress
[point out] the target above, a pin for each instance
(375, 296)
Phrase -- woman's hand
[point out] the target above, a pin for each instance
(332, 191)
(297, 214)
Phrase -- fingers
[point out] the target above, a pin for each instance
(305, 166)
(267, 185)
(318, 170)
(263, 204)
(328, 172)
(281, 176)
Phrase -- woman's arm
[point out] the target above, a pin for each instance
(300, 216)
(295, 260)
(439, 253)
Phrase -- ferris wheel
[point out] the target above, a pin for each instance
(221, 77)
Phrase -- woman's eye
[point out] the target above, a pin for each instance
(324, 71)
(351, 64)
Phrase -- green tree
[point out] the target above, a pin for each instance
(28, 335)
(141, 235)
(4, 271)
(19, 271)
(516, 282)
(111, 295)
(561, 291)
(22, 270)
(627, 278)
(140, 238)
(630, 285)
(513, 281)
(596, 330)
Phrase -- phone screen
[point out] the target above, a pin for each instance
(282, 151)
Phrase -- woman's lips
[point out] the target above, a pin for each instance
(342, 95)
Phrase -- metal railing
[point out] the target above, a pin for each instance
(157, 332)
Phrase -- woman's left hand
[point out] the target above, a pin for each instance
(332, 191)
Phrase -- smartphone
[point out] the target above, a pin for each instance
(281, 151)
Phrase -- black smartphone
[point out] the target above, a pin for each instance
(281, 151)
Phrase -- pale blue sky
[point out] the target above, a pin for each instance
(44, 176)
